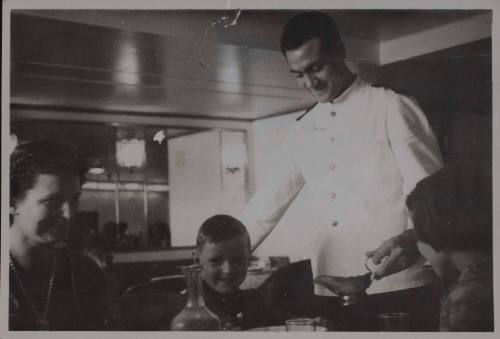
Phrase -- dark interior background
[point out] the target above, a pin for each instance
(454, 88)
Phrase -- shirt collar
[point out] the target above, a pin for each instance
(209, 292)
(347, 92)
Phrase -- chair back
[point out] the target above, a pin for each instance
(290, 290)
(144, 312)
(165, 284)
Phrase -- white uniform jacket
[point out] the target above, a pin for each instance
(356, 159)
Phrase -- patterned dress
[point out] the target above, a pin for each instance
(468, 304)
(78, 297)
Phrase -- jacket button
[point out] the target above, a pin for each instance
(335, 223)
(333, 113)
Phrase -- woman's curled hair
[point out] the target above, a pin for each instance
(29, 160)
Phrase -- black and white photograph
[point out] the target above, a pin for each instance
(233, 166)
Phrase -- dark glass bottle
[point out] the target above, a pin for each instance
(195, 316)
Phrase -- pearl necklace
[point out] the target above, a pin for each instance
(41, 319)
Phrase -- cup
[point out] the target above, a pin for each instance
(394, 322)
(300, 325)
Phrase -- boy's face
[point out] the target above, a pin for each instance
(225, 263)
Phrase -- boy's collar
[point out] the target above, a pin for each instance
(210, 292)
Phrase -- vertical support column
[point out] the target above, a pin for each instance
(117, 190)
(146, 221)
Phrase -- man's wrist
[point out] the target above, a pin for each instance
(407, 240)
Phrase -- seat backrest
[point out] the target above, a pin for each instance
(290, 289)
(165, 284)
(141, 312)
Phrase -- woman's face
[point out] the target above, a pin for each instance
(44, 214)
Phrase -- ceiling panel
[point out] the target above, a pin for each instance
(178, 62)
(66, 64)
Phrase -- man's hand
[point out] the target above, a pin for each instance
(344, 285)
(400, 252)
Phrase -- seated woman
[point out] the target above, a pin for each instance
(51, 287)
(452, 214)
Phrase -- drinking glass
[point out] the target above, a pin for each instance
(301, 325)
(394, 322)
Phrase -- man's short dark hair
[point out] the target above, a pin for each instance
(309, 25)
(452, 209)
(29, 160)
(219, 228)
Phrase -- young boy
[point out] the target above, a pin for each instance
(452, 213)
(223, 249)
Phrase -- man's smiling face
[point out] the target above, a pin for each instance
(320, 72)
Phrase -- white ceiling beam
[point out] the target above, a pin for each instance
(127, 119)
(362, 51)
(435, 39)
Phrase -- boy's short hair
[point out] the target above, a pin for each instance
(42, 157)
(452, 209)
(219, 228)
(307, 26)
